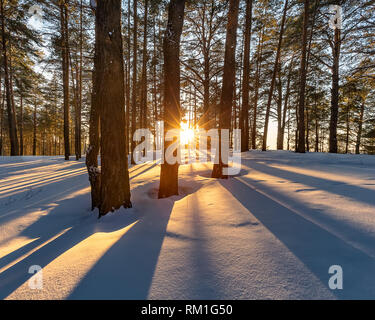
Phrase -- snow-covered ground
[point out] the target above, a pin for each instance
(272, 232)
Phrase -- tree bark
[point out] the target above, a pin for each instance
(128, 64)
(34, 128)
(226, 99)
(256, 89)
(14, 147)
(281, 132)
(134, 86)
(359, 134)
(1, 118)
(301, 106)
(65, 72)
(172, 113)
(110, 99)
(279, 142)
(144, 71)
(334, 92)
(78, 133)
(273, 80)
(94, 134)
(244, 117)
(21, 126)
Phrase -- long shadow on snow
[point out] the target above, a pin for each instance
(317, 248)
(353, 192)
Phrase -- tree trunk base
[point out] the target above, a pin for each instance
(168, 181)
(217, 171)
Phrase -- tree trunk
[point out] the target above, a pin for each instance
(301, 105)
(279, 142)
(281, 132)
(94, 134)
(307, 115)
(14, 147)
(110, 99)
(21, 125)
(256, 89)
(334, 93)
(1, 118)
(144, 72)
(273, 80)
(134, 86)
(78, 135)
(172, 113)
(307, 70)
(128, 69)
(34, 129)
(65, 72)
(316, 125)
(244, 117)
(226, 98)
(359, 134)
(347, 129)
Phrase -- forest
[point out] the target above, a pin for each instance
(226, 145)
(81, 78)
(48, 56)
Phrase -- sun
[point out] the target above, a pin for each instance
(186, 133)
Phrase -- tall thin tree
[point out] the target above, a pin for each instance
(244, 117)
(134, 85)
(110, 95)
(301, 148)
(273, 80)
(172, 113)
(226, 98)
(65, 71)
(14, 147)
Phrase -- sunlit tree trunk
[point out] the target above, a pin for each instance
(65, 72)
(134, 86)
(144, 72)
(172, 113)
(78, 132)
(21, 125)
(301, 105)
(281, 130)
(1, 118)
(226, 99)
(110, 100)
(34, 128)
(128, 69)
(94, 135)
(244, 117)
(335, 92)
(360, 124)
(273, 80)
(256, 89)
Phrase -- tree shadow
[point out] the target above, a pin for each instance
(125, 271)
(39, 196)
(154, 164)
(312, 244)
(351, 191)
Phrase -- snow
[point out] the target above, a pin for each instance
(272, 232)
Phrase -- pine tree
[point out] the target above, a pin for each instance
(226, 99)
(172, 116)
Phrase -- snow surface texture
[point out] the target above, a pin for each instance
(272, 232)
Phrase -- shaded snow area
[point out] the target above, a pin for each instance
(272, 232)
